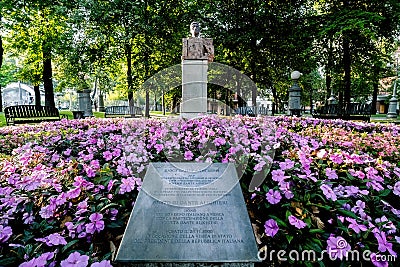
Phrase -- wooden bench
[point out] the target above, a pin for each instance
(31, 114)
(251, 111)
(351, 111)
(122, 111)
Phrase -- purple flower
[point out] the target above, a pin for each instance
(259, 166)
(5, 233)
(355, 226)
(74, 193)
(96, 224)
(331, 174)
(271, 227)
(396, 189)
(104, 263)
(383, 244)
(285, 188)
(273, 197)
(377, 261)
(278, 175)
(337, 247)
(75, 259)
(299, 224)
(328, 192)
(55, 240)
(288, 164)
(359, 207)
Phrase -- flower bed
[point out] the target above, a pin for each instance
(67, 188)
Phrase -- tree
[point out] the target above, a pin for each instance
(358, 30)
(37, 29)
(265, 40)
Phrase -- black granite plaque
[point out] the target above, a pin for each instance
(189, 212)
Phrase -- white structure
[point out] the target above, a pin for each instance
(194, 88)
(18, 93)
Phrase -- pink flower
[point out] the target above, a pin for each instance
(159, 148)
(107, 155)
(127, 185)
(188, 155)
(299, 224)
(75, 259)
(219, 141)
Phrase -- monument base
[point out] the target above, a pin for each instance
(189, 214)
(194, 88)
(186, 264)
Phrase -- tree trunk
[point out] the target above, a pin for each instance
(1, 100)
(253, 77)
(163, 101)
(328, 79)
(47, 76)
(37, 95)
(1, 63)
(146, 62)
(1, 50)
(128, 53)
(275, 100)
(376, 89)
(347, 69)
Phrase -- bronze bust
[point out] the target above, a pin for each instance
(196, 47)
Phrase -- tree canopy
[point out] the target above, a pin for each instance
(341, 47)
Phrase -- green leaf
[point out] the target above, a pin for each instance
(8, 261)
(70, 244)
(384, 193)
(289, 238)
(348, 213)
(316, 231)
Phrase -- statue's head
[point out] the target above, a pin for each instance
(195, 29)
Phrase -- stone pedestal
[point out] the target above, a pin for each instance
(85, 103)
(194, 88)
(185, 265)
(189, 215)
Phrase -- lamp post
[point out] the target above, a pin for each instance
(392, 111)
(295, 95)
